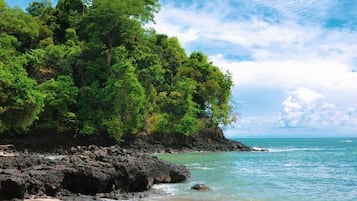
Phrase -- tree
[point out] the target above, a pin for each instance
(178, 110)
(20, 102)
(8, 46)
(17, 23)
(46, 16)
(126, 97)
(172, 56)
(92, 66)
(212, 89)
(116, 22)
(150, 75)
(60, 98)
(69, 15)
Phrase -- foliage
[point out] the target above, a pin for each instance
(125, 97)
(20, 102)
(212, 88)
(92, 67)
(60, 97)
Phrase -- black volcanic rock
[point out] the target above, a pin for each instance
(200, 187)
(206, 140)
(12, 184)
(86, 170)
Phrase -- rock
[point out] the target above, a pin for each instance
(260, 149)
(140, 174)
(206, 140)
(200, 187)
(12, 184)
(178, 173)
(87, 171)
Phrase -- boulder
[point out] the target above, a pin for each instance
(200, 187)
(12, 184)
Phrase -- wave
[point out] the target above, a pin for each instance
(204, 168)
(293, 149)
(346, 141)
(259, 149)
(164, 189)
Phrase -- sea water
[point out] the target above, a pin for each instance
(323, 169)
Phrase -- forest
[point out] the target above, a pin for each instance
(96, 67)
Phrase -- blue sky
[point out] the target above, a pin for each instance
(294, 62)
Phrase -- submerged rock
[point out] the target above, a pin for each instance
(260, 149)
(200, 187)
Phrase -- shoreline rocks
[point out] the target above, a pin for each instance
(54, 165)
(85, 170)
(211, 140)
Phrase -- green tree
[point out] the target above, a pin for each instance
(126, 98)
(150, 74)
(52, 61)
(212, 89)
(60, 99)
(46, 16)
(92, 66)
(172, 56)
(8, 46)
(179, 111)
(69, 14)
(20, 102)
(17, 23)
(116, 22)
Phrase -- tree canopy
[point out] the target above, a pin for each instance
(93, 67)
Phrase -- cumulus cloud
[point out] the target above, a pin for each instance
(334, 75)
(294, 48)
(309, 109)
(251, 125)
(266, 30)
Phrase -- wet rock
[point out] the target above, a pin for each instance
(200, 187)
(87, 170)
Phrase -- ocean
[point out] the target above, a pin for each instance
(301, 169)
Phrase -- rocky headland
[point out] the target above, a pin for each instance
(209, 140)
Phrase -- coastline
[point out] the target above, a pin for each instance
(119, 172)
(84, 173)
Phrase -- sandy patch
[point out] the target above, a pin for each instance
(4, 154)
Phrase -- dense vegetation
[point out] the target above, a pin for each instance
(93, 67)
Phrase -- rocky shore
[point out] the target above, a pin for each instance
(39, 166)
(83, 173)
(209, 140)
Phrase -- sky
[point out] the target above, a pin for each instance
(293, 62)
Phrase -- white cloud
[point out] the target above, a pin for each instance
(330, 74)
(303, 112)
(254, 125)
(288, 52)
(290, 38)
(284, 45)
(309, 109)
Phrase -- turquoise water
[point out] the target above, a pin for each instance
(293, 170)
